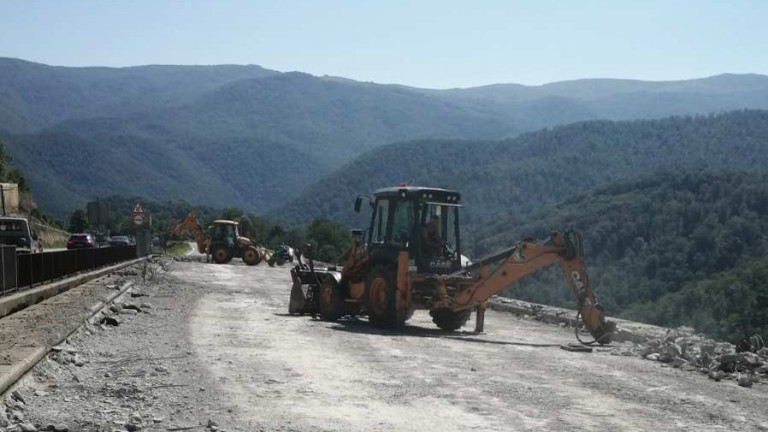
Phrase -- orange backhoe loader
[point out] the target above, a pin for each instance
(224, 241)
(410, 258)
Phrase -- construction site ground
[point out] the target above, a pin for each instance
(211, 347)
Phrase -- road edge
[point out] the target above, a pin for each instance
(626, 331)
(17, 371)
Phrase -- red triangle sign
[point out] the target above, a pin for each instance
(137, 208)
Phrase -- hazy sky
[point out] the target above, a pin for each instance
(434, 44)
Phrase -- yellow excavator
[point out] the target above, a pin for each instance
(410, 258)
(224, 241)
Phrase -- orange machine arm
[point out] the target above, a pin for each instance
(528, 257)
(190, 223)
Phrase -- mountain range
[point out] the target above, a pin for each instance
(256, 138)
(504, 178)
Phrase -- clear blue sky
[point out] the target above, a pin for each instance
(435, 44)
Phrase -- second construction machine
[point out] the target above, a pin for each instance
(410, 258)
(222, 242)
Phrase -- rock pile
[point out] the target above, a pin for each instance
(12, 416)
(190, 258)
(719, 360)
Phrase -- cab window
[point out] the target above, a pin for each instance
(380, 220)
(447, 219)
(402, 221)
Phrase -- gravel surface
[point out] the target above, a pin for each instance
(48, 322)
(210, 347)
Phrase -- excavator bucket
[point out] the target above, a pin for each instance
(592, 316)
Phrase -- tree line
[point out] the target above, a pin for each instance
(656, 244)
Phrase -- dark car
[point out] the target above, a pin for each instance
(119, 241)
(82, 241)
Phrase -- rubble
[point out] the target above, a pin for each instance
(110, 321)
(95, 380)
(745, 381)
(4, 422)
(682, 348)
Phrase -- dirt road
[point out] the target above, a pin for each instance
(226, 350)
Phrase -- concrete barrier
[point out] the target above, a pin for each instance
(19, 301)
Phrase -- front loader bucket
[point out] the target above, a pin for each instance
(298, 301)
(304, 292)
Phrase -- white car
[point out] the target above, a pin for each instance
(15, 231)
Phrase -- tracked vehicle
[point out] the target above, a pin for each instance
(409, 258)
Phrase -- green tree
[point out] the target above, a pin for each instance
(331, 240)
(78, 221)
(246, 226)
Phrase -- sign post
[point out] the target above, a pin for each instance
(142, 222)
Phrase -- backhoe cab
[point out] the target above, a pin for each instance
(422, 221)
(410, 258)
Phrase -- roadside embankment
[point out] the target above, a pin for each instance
(52, 238)
(26, 336)
(679, 348)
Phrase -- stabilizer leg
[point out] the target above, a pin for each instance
(480, 318)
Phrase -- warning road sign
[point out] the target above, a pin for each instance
(137, 209)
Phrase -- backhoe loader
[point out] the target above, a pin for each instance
(223, 242)
(410, 258)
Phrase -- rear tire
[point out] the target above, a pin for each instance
(449, 320)
(221, 254)
(251, 256)
(380, 291)
(331, 300)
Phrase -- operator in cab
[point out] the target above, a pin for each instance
(432, 241)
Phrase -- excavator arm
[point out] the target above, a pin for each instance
(190, 223)
(526, 258)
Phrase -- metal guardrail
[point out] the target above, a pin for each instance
(23, 271)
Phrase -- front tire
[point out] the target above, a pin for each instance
(449, 320)
(380, 295)
(331, 300)
(251, 256)
(221, 254)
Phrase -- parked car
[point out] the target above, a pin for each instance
(15, 231)
(120, 241)
(82, 241)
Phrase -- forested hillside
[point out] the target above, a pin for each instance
(9, 173)
(214, 134)
(36, 96)
(544, 167)
(108, 160)
(412, 162)
(661, 249)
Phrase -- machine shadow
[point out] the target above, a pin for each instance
(354, 325)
